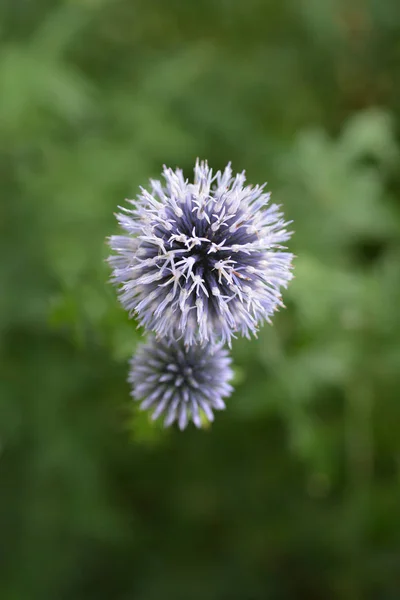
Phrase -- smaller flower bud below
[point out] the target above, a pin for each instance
(181, 383)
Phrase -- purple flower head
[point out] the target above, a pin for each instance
(180, 382)
(201, 261)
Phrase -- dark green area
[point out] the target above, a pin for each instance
(294, 492)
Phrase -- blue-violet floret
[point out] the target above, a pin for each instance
(180, 382)
(201, 261)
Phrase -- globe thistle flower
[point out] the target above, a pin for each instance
(201, 261)
(180, 382)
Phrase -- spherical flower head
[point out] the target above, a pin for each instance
(201, 261)
(181, 382)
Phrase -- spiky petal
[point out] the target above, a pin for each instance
(201, 261)
(181, 383)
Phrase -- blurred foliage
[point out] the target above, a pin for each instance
(294, 491)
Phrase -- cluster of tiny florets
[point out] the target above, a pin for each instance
(200, 263)
(180, 382)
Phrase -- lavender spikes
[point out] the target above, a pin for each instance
(201, 261)
(180, 382)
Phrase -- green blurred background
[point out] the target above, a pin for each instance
(294, 492)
